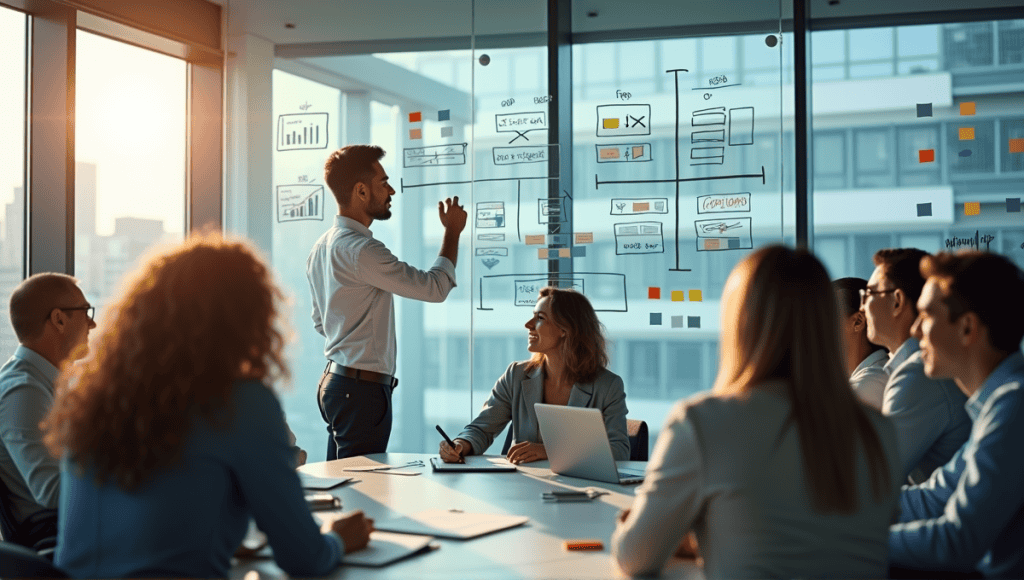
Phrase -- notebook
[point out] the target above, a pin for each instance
(473, 463)
(384, 548)
(577, 444)
(454, 524)
(321, 483)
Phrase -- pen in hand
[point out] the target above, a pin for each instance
(450, 442)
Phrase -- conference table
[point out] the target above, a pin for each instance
(532, 550)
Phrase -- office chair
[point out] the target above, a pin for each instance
(635, 429)
(21, 562)
(37, 533)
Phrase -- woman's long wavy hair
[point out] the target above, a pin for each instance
(780, 322)
(189, 322)
(584, 346)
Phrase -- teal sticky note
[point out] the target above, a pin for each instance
(655, 319)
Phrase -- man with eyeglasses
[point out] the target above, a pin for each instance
(52, 320)
(931, 423)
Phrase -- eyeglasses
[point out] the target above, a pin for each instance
(89, 310)
(865, 292)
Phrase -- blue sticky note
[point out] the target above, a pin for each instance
(558, 239)
(734, 243)
(655, 319)
(924, 109)
(677, 322)
(924, 210)
(446, 115)
(579, 251)
(693, 321)
(552, 252)
(1013, 205)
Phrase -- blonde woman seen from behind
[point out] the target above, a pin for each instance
(780, 471)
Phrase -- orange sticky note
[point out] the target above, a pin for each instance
(534, 240)
(610, 123)
(646, 206)
(677, 295)
(584, 237)
(926, 155)
(415, 117)
(415, 133)
(696, 296)
(712, 244)
(542, 253)
(1016, 145)
(966, 133)
(967, 108)
(653, 293)
(972, 208)
(638, 151)
(564, 252)
(610, 153)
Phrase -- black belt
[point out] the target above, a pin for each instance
(360, 374)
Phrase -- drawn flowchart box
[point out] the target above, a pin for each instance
(741, 126)
(490, 214)
(639, 205)
(639, 238)
(527, 290)
(492, 251)
(434, 156)
(495, 289)
(300, 202)
(627, 153)
(302, 131)
(524, 154)
(550, 211)
(724, 203)
(723, 234)
(520, 122)
(623, 120)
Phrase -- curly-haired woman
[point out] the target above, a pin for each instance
(170, 436)
(567, 368)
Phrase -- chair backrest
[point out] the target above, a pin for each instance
(20, 562)
(38, 531)
(7, 525)
(508, 441)
(638, 438)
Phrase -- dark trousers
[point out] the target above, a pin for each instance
(358, 415)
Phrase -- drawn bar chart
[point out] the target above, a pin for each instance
(300, 202)
(302, 131)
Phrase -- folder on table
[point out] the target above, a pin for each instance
(474, 463)
(454, 524)
(321, 483)
(385, 548)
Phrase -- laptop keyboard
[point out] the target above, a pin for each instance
(630, 477)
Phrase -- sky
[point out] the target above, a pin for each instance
(130, 120)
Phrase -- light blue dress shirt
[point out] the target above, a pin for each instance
(928, 414)
(26, 396)
(353, 279)
(969, 515)
(188, 519)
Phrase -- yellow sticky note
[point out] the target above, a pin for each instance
(967, 108)
(534, 240)
(585, 237)
(610, 123)
(696, 296)
(564, 253)
(972, 208)
(966, 133)
(678, 295)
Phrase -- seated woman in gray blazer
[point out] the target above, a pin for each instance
(567, 368)
(780, 470)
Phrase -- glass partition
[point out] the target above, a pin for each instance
(12, 164)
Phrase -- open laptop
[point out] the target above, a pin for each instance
(577, 444)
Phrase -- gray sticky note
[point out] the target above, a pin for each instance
(446, 131)
(693, 321)
(924, 209)
(924, 109)
(677, 322)
(1013, 205)
(655, 319)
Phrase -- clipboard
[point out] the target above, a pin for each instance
(474, 463)
(454, 524)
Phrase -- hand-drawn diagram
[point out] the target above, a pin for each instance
(492, 251)
(723, 234)
(623, 120)
(490, 214)
(639, 205)
(494, 288)
(490, 262)
(551, 211)
(300, 202)
(639, 238)
(709, 139)
(520, 123)
(491, 237)
(434, 156)
(626, 153)
(741, 126)
(299, 131)
(527, 154)
(724, 202)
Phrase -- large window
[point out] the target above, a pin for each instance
(130, 149)
(12, 165)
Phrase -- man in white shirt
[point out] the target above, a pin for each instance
(353, 279)
(52, 320)
(931, 423)
(865, 361)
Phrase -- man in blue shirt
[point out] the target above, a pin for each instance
(928, 414)
(968, 517)
(52, 320)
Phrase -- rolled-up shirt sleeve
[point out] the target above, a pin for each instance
(667, 503)
(381, 269)
(22, 408)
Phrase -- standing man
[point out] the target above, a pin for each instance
(929, 415)
(353, 279)
(52, 320)
(968, 518)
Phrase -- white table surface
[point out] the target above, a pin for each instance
(533, 550)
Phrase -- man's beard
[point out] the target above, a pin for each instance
(381, 212)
